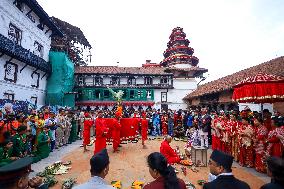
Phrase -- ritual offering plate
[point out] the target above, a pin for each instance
(116, 184)
(137, 185)
(186, 162)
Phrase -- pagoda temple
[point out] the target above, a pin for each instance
(178, 53)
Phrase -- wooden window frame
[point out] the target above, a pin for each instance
(38, 49)
(131, 81)
(8, 96)
(15, 74)
(163, 79)
(37, 82)
(99, 81)
(148, 79)
(116, 79)
(18, 38)
(36, 98)
(162, 99)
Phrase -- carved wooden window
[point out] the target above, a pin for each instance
(148, 81)
(131, 81)
(31, 17)
(35, 79)
(15, 34)
(34, 100)
(18, 4)
(9, 96)
(98, 81)
(40, 25)
(11, 71)
(80, 80)
(164, 80)
(114, 81)
(38, 49)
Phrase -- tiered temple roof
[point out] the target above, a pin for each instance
(178, 51)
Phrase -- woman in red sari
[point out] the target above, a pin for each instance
(246, 134)
(235, 125)
(259, 144)
(274, 139)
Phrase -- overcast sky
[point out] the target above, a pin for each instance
(227, 35)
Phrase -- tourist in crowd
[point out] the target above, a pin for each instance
(99, 169)
(164, 174)
(275, 169)
(204, 124)
(220, 165)
(156, 124)
(51, 122)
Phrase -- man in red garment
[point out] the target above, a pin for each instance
(88, 124)
(144, 129)
(101, 133)
(165, 149)
(116, 131)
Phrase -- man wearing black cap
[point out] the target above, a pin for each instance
(99, 169)
(15, 175)
(220, 165)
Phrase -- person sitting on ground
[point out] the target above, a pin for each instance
(220, 165)
(170, 154)
(275, 169)
(6, 150)
(99, 169)
(164, 174)
(16, 175)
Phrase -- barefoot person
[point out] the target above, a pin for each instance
(99, 169)
(164, 174)
(88, 124)
(101, 133)
(116, 131)
(220, 165)
(170, 154)
(144, 129)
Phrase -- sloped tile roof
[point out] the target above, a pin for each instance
(274, 67)
(121, 70)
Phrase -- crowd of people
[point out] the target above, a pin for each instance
(35, 134)
(249, 137)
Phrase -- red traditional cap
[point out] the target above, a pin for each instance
(86, 114)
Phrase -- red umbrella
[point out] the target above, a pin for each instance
(261, 88)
